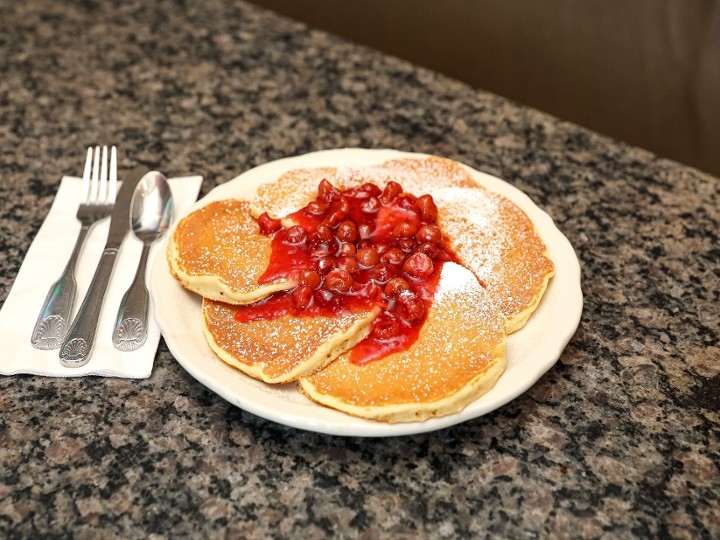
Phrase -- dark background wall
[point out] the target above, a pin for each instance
(643, 71)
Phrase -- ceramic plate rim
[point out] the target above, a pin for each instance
(285, 404)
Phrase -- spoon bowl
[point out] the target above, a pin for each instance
(151, 209)
(151, 213)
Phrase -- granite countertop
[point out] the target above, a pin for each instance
(621, 438)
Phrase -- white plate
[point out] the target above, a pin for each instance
(530, 351)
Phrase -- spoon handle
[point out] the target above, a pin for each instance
(131, 325)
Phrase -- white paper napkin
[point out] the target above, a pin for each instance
(43, 264)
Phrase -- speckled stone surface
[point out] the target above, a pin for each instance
(620, 439)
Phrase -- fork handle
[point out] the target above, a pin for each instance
(78, 345)
(53, 322)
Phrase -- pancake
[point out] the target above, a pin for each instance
(296, 188)
(218, 252)
(283, 349)
(497, 241)
(459, 355)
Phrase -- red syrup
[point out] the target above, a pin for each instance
(352, 250)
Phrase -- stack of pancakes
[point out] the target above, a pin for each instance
(219, 253)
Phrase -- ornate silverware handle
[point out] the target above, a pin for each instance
(131, 326)
(79, 343)
(53, 322)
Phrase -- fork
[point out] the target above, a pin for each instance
(97, 192)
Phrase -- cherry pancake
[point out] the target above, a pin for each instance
(218, 252)
(281, 349)
(458, 356)
(496, 240)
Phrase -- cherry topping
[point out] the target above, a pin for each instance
(407, 244)
(429, 233)
(302, 296)
(322, 235)
(349, 264)
(346, 249)
(323, 297)
(371, 205)
(427, 208)
(295, 235)
(383, 272)
(385, 330)
(326, 191)
(326, 264)
(431, 250)
(341, 205)
(411, 307)
(267, 224)
(311, 279)
(338, 280)
(347, 231)
(334, 218)
(374, 293)
(368, 256)
(395, 287)
(405, 229)
(370, 189)
(353, 249)
(407, 202)
(393, 256)
(317, 208)
(365, 230)
(319, 251)
(392, 190)
(419, 265)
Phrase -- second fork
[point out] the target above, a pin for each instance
(99, 186)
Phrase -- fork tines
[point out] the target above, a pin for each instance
(95, 179)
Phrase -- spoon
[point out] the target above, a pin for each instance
(151, 213)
